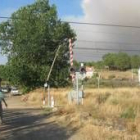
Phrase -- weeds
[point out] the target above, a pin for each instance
(107, 114)
(47, 111)
(102, 98)
(128, 114)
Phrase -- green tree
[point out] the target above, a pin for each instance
(122, 61)
(135, 61)
(109, 60)
(99, 65)
(3, 72)
(90, 64)
(30, 39)
(76, 64)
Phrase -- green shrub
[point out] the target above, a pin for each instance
(114, 102)
(25, 90)
(111, 76)
(47, 111)
(135, 71)
(128, 114)
(101, 98)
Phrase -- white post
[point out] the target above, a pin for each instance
(52, 101)
(44, 101)
(77, 87)
(48, 95)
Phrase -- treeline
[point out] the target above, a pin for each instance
(117, 61)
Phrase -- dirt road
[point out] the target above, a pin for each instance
(24, 122)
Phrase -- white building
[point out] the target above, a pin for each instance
(89, 72)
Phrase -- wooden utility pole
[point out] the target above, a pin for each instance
(47, 84)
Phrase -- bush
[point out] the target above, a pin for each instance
(111, 76)
(128, 114)
(114, 102)
(26, 90)
(103, 97)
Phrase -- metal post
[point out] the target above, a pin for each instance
(77, 87)
(50, 74)
(132, 74)
(48, 95)
(44, 101)
(99, 81)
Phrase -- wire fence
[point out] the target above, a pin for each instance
(113, 79)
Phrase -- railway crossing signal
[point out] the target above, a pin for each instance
(77, 94)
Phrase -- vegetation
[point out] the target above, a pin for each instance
(112, 114)
(30, 39)
(135, 61)
(117, 61)
(112, 79)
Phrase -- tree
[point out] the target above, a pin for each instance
(3, 72)
(122, 61)
(90, 64)
(76, 64)
(99, 65)
(109, 60)
(30, 39)
(135, 61)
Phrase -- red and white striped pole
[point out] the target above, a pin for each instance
(71, 53)
(71, 58)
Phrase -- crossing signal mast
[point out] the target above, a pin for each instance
(77, 94)
(72, 70)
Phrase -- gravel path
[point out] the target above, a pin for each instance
(23, 122)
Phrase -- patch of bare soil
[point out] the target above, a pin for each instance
(25, 122)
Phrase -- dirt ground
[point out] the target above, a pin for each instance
(25, 122)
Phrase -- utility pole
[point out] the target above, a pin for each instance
(47, 80)
(99, 81)
(53, 63)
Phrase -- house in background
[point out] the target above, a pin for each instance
(89, 72)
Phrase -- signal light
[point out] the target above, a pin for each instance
(82, 70)
(72, 70)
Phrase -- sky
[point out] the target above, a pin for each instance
(96, 40)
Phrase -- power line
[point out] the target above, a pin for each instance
(106, 42)
(97, 24)
(101, 24)
(105, 49)
(85, 23)
(5, 17)
(109, 33)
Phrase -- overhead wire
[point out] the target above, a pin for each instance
(106, 42)
(105, 49)
(90, 41)
(85, 23)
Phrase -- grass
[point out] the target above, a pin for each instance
(107, 113)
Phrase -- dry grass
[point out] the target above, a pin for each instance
(118, 74)
(107, 114)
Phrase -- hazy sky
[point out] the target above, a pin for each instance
(122, 12)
